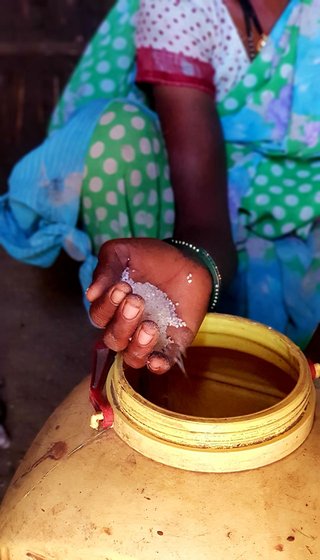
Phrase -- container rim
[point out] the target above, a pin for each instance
(229, 433)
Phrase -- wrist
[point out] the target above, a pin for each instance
(218, 243)
(205, 259)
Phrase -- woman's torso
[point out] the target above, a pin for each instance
(231, 54)
(210, 32)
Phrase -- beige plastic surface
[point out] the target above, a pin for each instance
(82, 495)
(79, 495)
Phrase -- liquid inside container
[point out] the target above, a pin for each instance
(218, 383)
(246, 400)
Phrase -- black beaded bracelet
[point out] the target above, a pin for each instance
(207, 261)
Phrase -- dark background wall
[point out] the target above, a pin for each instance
(46, 339)
(40, 42)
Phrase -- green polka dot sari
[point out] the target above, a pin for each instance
(126, 191)
(271, 123)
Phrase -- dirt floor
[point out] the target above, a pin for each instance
(46, 346)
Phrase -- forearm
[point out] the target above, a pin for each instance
(199, 177)
(202, 214)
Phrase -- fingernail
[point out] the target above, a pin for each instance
(117, 296)
(157, 362)
(130, 311)
(144, 338)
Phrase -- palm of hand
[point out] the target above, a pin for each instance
(120, 313)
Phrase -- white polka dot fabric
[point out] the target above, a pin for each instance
(189, 42)
(126, 188)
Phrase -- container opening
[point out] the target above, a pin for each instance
(219, 383)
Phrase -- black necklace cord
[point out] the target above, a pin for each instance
(251, 20)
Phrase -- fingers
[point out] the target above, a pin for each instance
(97, 289)
(122, 328)
(159, 363)
(102, 280)
(103, 308)
(142, 344)
(112, 259)
(141, 348)
(120, 312)
(178, 341)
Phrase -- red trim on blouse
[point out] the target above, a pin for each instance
(159, 66)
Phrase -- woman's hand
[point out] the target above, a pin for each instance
(120, 312)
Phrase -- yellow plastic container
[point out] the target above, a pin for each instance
(116, 494)
(247, 403)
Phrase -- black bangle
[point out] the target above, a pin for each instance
(207, 261)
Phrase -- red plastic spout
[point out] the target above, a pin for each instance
(102, 362)
(314, 370)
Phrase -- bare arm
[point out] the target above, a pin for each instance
(196, 152)
(198, 170)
